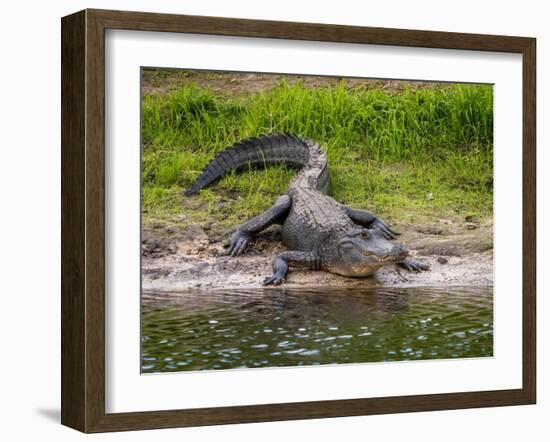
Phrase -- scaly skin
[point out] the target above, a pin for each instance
(321, 233)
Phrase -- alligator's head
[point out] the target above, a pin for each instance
(362, 252)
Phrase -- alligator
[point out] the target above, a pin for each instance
(321, 233)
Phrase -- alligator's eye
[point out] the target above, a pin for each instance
(365, 234)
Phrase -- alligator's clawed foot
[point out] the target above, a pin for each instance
(386, 231)
(413, 266)
(401, 277)
(239, 243)
(274, 280)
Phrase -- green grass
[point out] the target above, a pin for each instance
(415, 154)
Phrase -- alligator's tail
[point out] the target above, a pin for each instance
(265, 151)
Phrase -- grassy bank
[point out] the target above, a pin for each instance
(417, 153)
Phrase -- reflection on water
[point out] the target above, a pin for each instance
(199, 330)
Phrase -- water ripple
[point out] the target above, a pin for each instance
(198, 330)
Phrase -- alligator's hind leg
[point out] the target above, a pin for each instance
(370, 221)
(245, 233)
(295, 259)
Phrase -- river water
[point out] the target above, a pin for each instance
(277, 327)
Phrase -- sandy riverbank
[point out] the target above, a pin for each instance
(177, 258)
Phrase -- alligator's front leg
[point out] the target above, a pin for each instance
(245, 233)
(282, 261)
(412, 265)
(370, 221)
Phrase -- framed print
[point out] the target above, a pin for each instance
(269, 220)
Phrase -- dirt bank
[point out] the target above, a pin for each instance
(176, 258)
(163, 81)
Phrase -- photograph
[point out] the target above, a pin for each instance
(297, 220)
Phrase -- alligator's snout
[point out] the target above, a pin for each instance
(384, 250)
(396, 253)
(400, 251)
